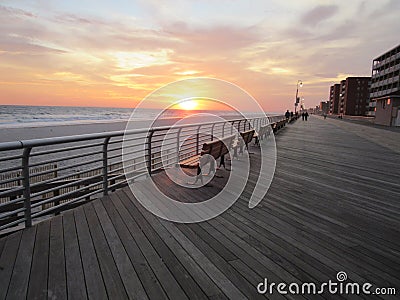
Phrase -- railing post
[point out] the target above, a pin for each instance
(26, 186)
(238, 128)
(105, 164)
(178, 135)
(197, 139)
(212, 132)
(223, 129)
(148, 145)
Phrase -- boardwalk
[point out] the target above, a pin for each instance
(333, 206)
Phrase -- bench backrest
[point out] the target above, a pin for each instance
(247, 136)
(227, 144)
(218, 147)
(263, 130)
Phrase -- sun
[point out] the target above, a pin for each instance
(188, 104)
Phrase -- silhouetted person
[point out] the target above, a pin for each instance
(324, 116)
(291, 114)
(222, 162)
(306, 116)
(303, 115)
(287, 115)
(199, 174)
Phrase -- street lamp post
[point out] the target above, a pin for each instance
(296, 103)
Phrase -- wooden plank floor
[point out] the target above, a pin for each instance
(333, 206)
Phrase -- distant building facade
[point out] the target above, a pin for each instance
(334, 98)
(356, 96)
(323, 107)
(385, 87)
(350, 97)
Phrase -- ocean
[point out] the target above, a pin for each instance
(15, 116)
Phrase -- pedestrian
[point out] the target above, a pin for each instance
(291, 115)
(303, 115)
(287, 115)
(324, 115)
(306, 115)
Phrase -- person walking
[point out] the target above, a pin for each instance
(287, 115)
(306, 115)
(302, 116)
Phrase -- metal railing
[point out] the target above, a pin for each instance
(43, 177)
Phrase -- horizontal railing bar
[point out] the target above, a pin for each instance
(11, 191)
(127, 140)
(50, 161)
(12, 212)
(74, 182)
(66, 149)
(16, 222)
(72, 166)
(10, 169)
(10, 202)
(139, 171)
(66, 195)
(116, 177)
(118, 185)
(136, 163)
(11, 180)
(8, 158)
(64, 176)
(46, 211)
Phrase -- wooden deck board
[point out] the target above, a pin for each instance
(39, 270)
(7, 261)
(111, 276)
(143, 270)
(332, 206)
(132, 283)
(20, 274)
(93, 278)
(164, 276)
(57, 284)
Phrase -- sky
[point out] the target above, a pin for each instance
(114, 53)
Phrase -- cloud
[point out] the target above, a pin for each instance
(318, 14)
(129, 50)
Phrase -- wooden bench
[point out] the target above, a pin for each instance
(217, 149)
(247, 137)
(262, 133)
(278, 125)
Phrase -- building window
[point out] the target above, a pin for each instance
(388, 101)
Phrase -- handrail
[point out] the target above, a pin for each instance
(92, 136)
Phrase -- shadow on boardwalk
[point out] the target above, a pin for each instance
(332, 206)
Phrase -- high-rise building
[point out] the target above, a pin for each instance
(385, 80)
(342, 93)
(352, 98)
(356, 96)
(334, 98)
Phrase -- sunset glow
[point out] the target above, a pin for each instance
(85, 53)
(188, 105)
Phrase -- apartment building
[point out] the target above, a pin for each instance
(334, 98)
(385, 88)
